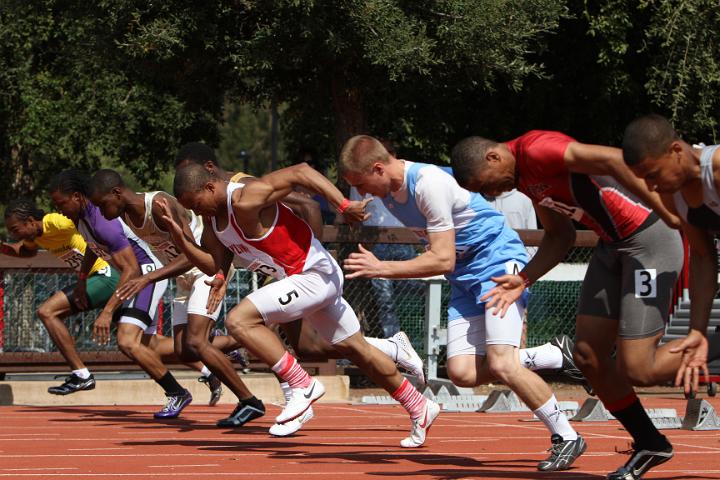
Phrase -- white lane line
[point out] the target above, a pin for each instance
(178, 466)
(101, 449)
(583, 475)
(37, 469)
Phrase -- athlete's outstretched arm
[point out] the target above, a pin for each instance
(201, 258)
(703, 287)
(79, 293)
(18, 249)
(126, 262)
(559, 237)
(276, 185)
(439, 259)
(602, 160)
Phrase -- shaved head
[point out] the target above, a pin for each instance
(648, 136)
(360, 153)
(468, 158)
(104, 181)
(190, 179)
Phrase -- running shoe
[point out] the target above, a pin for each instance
(562, 453)
(243, 413)
(288, 428)
(640, 462)
(569, 369)
(73, 384)
(301, 400)
(174, 405)
(215, 386)
(407, 357)
(421, 426)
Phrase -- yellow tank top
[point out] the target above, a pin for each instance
(61, 238)
(238, 176)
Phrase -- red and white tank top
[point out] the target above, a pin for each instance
(598, 202)
(287, 248)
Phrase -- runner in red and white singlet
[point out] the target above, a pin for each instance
(248, 221)
(627, 290)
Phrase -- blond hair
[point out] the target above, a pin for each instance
(360, 153)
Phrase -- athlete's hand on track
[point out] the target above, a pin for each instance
(509, 288)
(172, 226)
(101, 328)
(362, 264)
(79, 296)
(132, 287)
(355, 211)
(694, 349)
(218, 287)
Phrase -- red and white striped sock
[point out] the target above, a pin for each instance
(412, 400)
(290, 370)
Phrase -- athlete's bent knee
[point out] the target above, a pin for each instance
(503, 368)
(585, 358)
(462, 378)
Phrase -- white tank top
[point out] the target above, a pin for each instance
(707, 215)
(159, 240)
(287, 248)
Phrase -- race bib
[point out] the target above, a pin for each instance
(575, 213)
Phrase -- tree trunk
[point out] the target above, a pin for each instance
(349, 111)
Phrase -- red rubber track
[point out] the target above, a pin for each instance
(343, 441)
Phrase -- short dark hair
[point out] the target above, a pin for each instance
(104, 181)
(196, 152)
(647, 136)
(190, 178)
(23, 208)
(69, 182)
(468, 156)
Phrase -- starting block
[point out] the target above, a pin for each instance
(570, 409)
(700, 415)
(664, 418)
(463, 403)
(378, 400)
(503, 401)
(592, 411)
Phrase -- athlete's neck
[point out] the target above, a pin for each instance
(396, 171)
(134, 206)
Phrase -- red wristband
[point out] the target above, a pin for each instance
(526, 280)
(82, 275)
(220, 275)
(6, 249)
(343, 205)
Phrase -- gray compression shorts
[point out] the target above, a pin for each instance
(632, 280)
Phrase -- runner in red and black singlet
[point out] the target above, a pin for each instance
(597, 201)
(627, 291)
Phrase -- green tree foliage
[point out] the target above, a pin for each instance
(667, 50)
(398, 68)
(119, 82)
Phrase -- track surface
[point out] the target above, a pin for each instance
(343, 441)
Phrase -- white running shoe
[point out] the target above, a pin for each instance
(407, 357)
(288, 428)
(421, 426)
(301, 400)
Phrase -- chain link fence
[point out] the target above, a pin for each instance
(383, 306)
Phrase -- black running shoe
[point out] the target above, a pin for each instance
(562, 453)
(242, 414)
(640, 462)
(569, 369)
(73, 384)
(215, 386)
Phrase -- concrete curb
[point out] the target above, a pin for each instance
(146, 392)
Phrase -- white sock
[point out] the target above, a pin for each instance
(541, 358)
(287, 391)
(205, 372)
(83, 373)
(555, 420)
(384, 345)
